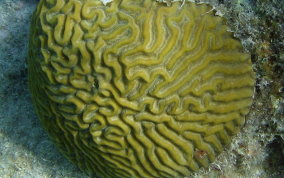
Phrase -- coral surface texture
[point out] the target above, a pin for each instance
(137, 88)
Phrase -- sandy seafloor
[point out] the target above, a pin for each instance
(258, 151)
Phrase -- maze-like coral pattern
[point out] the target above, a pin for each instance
(137, 88)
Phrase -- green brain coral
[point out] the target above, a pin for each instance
(137, 88)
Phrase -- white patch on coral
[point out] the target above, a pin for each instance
(105, 1)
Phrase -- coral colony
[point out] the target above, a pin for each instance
(137, 88)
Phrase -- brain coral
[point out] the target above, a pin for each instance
(137, 88)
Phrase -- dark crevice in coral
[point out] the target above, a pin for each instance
(274, 162)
